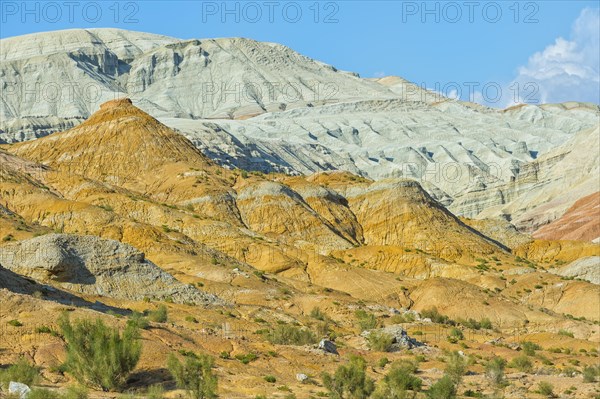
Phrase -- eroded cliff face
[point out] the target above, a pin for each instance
(264, 107)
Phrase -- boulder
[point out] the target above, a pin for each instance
(400, 340)
(17, 388)
(328, 347)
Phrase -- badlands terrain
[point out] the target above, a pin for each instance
(197, 198)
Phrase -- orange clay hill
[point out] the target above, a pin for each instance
(122, 219)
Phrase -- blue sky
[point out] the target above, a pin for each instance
(552, 44)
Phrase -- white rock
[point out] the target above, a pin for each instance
(18, 388)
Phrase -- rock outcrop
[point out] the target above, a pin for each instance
(92, 266)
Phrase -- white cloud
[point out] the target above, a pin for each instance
(379, 75)
(568, 70)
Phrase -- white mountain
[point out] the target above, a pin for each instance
(262, 106)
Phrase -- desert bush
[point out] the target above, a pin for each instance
(399, 383)
(591, 373)
(565, 333)
(159, 315)
(521, 363)
(270, 379)
(318, 314)
(455, 335)
(41, 393)
(456, 367)
(444, 388)
(366, 321)
(484, 323)
(402, 318)
(155, 392)
(529, 348)
(246, 358)
(380, 341)
(22, 371)
(75, 392)
(284, 334)
(349, 381)
(494, 370)
(195, 375)
(436, 316)
(137, 320)
(546, 389)
(98, 355)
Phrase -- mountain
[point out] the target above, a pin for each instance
(263, 107)
(122, 218)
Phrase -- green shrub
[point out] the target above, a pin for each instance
(270, 378)
(521, 363)
(155, 392)
(494, 371)
(455, 335)
(456, 367)
(436, 316)
(159, 315)
(402, 318)
(76, 392)
(591, 373)
(444, 388)
(380, 341)
(398, 382)
(529, 348)
(284, 334)
(137, 320)
(22, 371)
(195, 375)
(40, 393)
(383, 362)
(565, 333)
(318, 314)
(546, 389)
(15, 323)
(349, 381)
(484, 323)
(246, 358)
(98, 355)
(366, 321)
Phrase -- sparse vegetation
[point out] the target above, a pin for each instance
(566, 333)
(521, 363)
(455, 335)
(246, 358)
(365, 320)
(529, 348)
(22, 371)
(98, 355)
(285, 334)
(494, 371)
(546, 389)
(195, 375)
(380, 341)
(159, 315)
(456, 367)
(436, 316)
(350, 381)
(591, 373)
(399, 383)
(444, 388)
